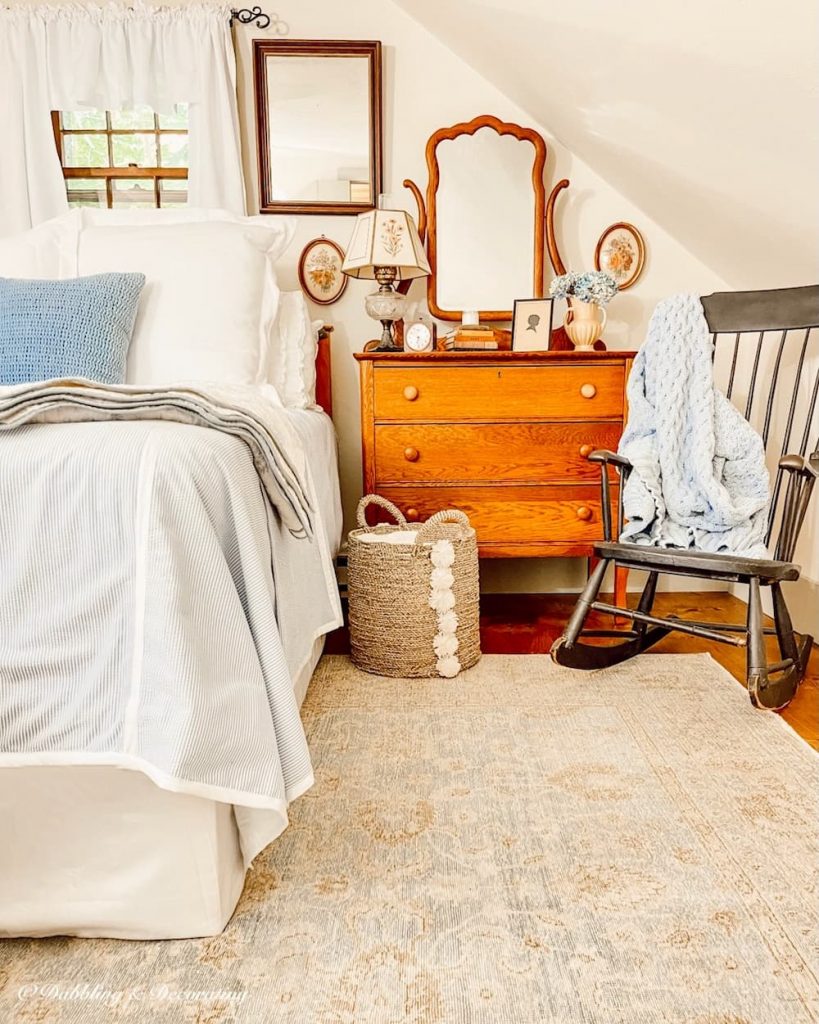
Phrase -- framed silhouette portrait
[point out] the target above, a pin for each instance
(532, 325)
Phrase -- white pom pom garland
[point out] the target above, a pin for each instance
(442, 601)
(448, 622)
(442, 554)
(448, 667)
(441, 579)
(445, 646)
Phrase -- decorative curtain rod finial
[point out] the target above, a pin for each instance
(251, 15)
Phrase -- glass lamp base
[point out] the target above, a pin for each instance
(387, 306)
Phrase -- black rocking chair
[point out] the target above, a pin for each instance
(789, 319)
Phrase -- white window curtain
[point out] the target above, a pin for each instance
(72, 57)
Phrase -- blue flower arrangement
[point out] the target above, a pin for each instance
(593, 286)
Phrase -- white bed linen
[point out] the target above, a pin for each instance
(101, 852)
(143, 626)
(96, 851)
(122, 857)
(318, 435)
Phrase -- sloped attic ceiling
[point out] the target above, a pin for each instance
(703, 113)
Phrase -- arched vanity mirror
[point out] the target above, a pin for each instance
(485, 210)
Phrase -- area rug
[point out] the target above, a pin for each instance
(520, 845)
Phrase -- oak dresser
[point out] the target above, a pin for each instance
(503, 436)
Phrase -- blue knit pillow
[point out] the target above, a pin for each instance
(79, 327)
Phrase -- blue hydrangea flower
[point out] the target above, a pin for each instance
(592, 286)
(561, 287)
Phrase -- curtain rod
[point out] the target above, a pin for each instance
(251, 15)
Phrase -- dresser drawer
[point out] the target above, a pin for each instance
(536, 452)
(474, 392)
(511, 515)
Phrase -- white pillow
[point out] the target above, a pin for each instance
(281, 228)
(209, 301)
(46, 251)
(293, 349)
(287, 350)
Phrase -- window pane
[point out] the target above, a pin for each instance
(134, 150)
(85, 151)
(173, 150)
(179, 119)
(133, 193)
(173, 191)
(139, 117)
(83, 119)
(86, 192)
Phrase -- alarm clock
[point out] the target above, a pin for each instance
(419, 334)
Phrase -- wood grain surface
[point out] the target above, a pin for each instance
(493, 452)
(500, 392)
(569, 513)
(504, 437)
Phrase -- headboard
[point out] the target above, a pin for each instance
(324, 371)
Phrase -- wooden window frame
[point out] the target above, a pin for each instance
(111, 172)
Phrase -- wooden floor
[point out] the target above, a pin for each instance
(529, 623)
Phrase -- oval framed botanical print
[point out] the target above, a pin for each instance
(621, 252)
(320, 273)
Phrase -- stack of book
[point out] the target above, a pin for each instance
(475, 338)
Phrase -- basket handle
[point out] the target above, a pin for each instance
(376, 499)
(449, 515)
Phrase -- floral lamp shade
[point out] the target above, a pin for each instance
(385, 238)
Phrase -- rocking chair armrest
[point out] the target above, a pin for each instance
(798, 464)
(604, 458)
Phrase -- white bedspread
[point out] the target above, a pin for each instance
(142, 626)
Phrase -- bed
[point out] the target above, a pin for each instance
(149, 746)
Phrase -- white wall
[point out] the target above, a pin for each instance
(425, 87)
(702, 112)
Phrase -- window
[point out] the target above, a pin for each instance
(127, 159)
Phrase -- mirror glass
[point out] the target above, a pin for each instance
(318, 112)
(485, 221)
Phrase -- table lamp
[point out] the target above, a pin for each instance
(386, 247)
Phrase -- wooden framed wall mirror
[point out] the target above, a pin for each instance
(485, 218)
(318, 125)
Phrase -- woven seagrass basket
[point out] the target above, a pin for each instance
(414, 603)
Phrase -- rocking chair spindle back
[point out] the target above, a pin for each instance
(766, 358)
(774, 336)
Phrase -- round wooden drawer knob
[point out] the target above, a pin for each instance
(584, 512)
(410, 393)
(412, 515)
(586, 450)
(586, 390)
(411, 454)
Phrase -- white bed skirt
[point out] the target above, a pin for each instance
(103, 852)
(99, 851)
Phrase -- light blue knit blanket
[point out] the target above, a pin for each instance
(699, 478)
